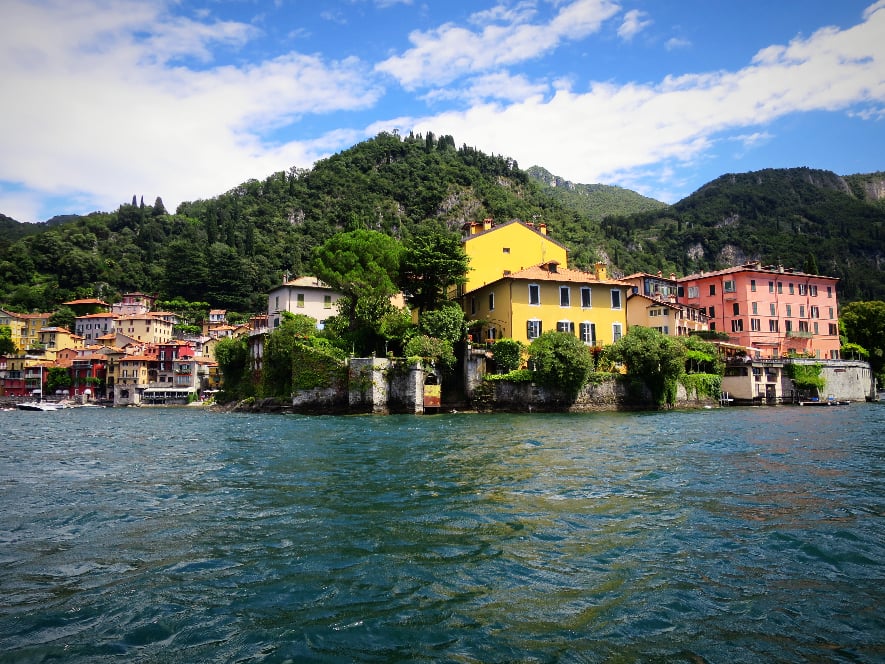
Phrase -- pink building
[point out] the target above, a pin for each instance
(775, 311)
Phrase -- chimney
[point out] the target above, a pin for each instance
(600, 271)
(672, 276)
(660, 273)
(487, 224)
(543, 228)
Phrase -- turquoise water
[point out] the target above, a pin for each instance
(728, 535)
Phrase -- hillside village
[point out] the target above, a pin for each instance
(519, 286)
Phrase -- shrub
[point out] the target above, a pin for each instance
(507, 354)
(560, 361)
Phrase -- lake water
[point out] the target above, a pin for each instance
(179, 535)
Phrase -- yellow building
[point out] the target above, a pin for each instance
(497, 251)
(17, 326)
(54, 339)
(526, 303)
(145, 327)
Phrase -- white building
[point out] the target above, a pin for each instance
(304, 295)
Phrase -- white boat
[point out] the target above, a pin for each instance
(38, 405)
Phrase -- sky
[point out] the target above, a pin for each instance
(186, 99)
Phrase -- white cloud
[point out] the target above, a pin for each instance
(91, 106)
(499, 85)
(611, 131)
(634, 23)
(441, 55)
(675, 43)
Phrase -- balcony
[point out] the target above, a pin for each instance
(799, 334)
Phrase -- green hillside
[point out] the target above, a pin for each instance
(595, 201)
(797, 217)
(231, 249)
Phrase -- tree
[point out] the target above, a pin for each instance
(276, 375)
(363, 266)
(653, 358)
(433, 260)
(63, 317)
(560, 361)
(57, 378)
(232, 355)
(7, 345)
(507, 354)
(444, 323)
(864, 325)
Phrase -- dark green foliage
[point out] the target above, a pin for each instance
(433, 261)
(653, 358)
(507, 354)
(316, 365)
(437, 352)
(7, 345)
(806, 377)
(447, 323)
(63, 317)
(560, 361)
(57, 378)
(864, 325)
(232, 355)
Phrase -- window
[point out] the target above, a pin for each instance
(788, 325)
(534, 294)
(790, 288)
(803, 289)
(772, 308)
(565, 296)
(803, 326)
(616, 298)
(773, 325)
(533, 329)
(712, 289)
(276, 305)
(753, 285)
(770, 286)
(755, 308)
(831, 313)
(755, 325)
(300, 301)
(586, 299)
(801, 311)
(617, 331)
(815, 312)
(834, 329)
(737, 325)
(736, 309)
(693, 291)
(829, 291)
(712, 312)
(789, 311)
(812, 290)
(565, 326)
(588, 333)
(780, 288)
(472, 305)
(491, 301)
(816, 329)
(506, 250)
(327, 301)
(730, 286)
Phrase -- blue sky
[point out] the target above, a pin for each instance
(185, 99)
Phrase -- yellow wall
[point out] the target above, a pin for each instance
(512, 309)
(527, 247)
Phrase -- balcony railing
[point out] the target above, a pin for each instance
(799, 334)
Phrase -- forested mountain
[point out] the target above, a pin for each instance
(595, 201)
(231, 249)
(808, 219)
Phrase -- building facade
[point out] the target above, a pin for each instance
(525, 304)
(773, 310)
(304, 295)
